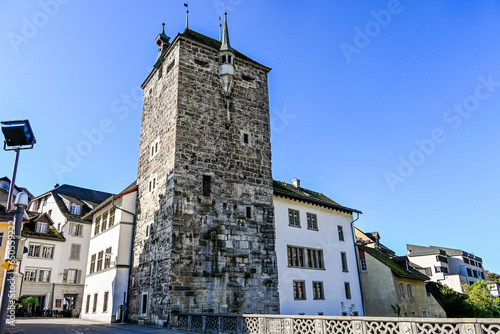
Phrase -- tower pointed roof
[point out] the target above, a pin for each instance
(226, 46)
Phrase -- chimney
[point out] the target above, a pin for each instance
(296, 183)
(56, 185)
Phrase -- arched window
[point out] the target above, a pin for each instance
(410, 295)
(401, 290)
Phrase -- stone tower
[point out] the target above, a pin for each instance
(204, 237)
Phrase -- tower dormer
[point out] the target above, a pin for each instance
(162, 40)
(226, 61)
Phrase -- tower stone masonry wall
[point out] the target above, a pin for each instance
(204, 253)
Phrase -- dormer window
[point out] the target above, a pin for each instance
(75, 209)
(41, 227)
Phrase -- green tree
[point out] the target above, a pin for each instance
(453, 303)
(493, 277)
(481, 301)
(31, 302)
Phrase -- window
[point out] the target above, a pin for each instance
(72, 276)
(207, 180)
(413, 314)
(92, 263)
(443, 270)
(105, 303)
(99, 261)
(30, 275)
(94, 307)
(144, 306)
(58, 303)
(363, 266)
(34, 250)
(97, 225)
(87, 306)
(428, 271)
(75, 252)
(295, 257)
(318, 292)
(482, 275)
(440, 258)
(44, 275)
(75, 209)
(469, 272)
(1, 239)
(299, 290)
(76, 230)
(341, 232)
(148, 230)
(152, 184)
(347, 288)
(343, 257)
(474, 273)
(104, 222)
(246, 138)
(408, 289)
(249, 212)
(401, 290)
(293, 218)
(312, 221)
(50, 212)
(41, 227)
(424, 314)
(112, 217)
(154, 148)
(466, 260)
(107, 258)
(48, 252)
(315, 258)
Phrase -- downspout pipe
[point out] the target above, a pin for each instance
(353, 231)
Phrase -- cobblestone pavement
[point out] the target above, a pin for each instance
(79, 326)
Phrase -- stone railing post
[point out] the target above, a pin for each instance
(262, 325)
(469, 329)
(407, 328)
(288, 325)
(358, 326)
(320, 326)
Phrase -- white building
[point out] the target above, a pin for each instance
(106, 282)
(316, 253)
(448, 266)
(58, 242)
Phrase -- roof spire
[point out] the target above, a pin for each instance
(186, 4)
(226, 46)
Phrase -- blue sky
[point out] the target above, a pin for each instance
(390, 107)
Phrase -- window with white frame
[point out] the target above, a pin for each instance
(76, 230)
(87, 305)
(1, 239)
(107, 258)
(99, 260)
(92, 263)
(34, 250)
(30, 274)
(41, 227)
(48, 252)
(72, 276)
(293, 218)
(105, 302)
(97, 226)
(153, 149)
(104, 222)
(75, 252)
(364, 269)
(112, 217)
(94, 307)
(75, 209)
(44, 275)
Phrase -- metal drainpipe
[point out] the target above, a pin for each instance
(125, 306)
(353, 231)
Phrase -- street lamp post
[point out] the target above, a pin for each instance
(18, 136)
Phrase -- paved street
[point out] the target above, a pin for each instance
(78, 326)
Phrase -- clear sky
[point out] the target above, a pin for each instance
(390, 107)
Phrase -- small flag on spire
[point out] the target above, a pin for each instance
(186, 4)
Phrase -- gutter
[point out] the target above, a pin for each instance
(353, 231)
